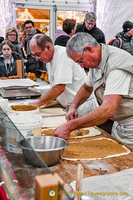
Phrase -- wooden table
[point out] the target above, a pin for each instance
(66, 169)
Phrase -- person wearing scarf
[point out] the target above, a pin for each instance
(12, 36)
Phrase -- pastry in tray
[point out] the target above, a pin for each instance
(23, 107)
(10, 77)
(32, 76)
(91, 149)
(81, 132)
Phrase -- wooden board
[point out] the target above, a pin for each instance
(47, 112)
(53, 122)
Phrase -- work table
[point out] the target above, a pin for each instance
(67, 170)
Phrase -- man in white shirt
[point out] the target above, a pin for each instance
(65, 76)
(111, 78)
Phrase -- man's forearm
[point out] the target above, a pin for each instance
(94, 118)
(52, 94)
(99, 115)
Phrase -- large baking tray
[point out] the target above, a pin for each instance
(20, 94)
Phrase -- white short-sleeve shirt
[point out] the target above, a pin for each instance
(118, 82)
(63, 70)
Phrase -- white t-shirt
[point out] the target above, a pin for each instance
(118, 82)
(63, 70)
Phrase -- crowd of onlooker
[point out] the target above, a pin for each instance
(15, 45)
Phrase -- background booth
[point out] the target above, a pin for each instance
(49, 14)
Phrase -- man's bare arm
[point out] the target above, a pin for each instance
(98, 116)
(101, 114)
(52, 94)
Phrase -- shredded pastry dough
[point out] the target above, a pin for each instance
(23, 107)
(93, 149)
(81, 132)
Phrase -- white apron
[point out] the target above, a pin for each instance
(123, 131)
(90, 105)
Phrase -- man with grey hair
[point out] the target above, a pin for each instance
(89, 26)
(65, 76)
(111, 78)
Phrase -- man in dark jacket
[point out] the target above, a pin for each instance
(32, 64)
(89, 26)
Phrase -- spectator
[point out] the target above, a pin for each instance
(126, 36)
(65, 76)
(8, 60)
(89, 26)
(32, 64)
(21, 33)
(111, 78)
(62, 36)
(12, 36)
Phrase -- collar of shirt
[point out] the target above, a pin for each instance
(105, 55)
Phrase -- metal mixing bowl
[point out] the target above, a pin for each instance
(48, 147)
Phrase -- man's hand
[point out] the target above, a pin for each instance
(41, 101)
(72, 114)
(51, 95)
(62, 131)
(35, 103)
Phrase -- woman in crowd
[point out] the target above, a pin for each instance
(8, 66)
(12, 36)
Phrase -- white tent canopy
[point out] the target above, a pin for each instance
(61, 4)
(111, 15)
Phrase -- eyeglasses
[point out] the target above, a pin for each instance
(90, 23)
(37, 56)
(28, 27)
(11, 34)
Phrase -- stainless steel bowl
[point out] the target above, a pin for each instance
(48, 147)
